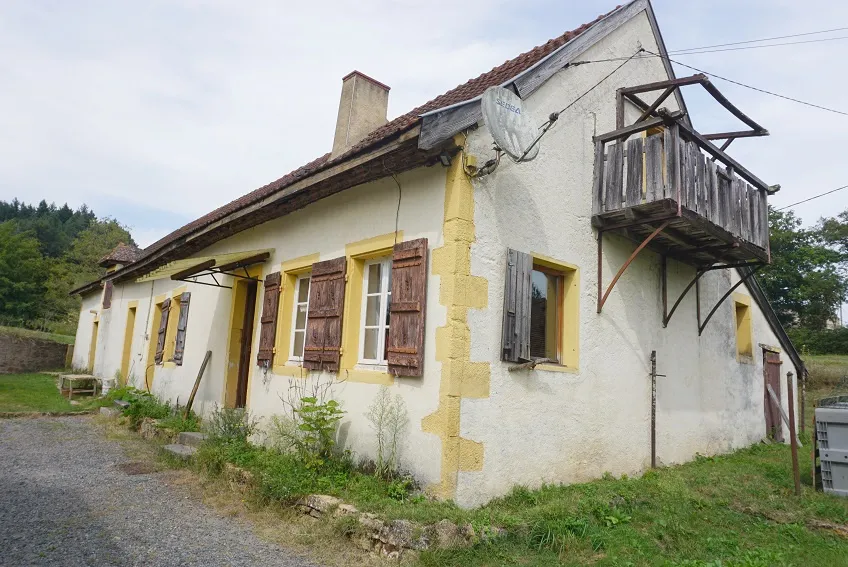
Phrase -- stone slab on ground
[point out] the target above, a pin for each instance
(104, 516)
(191, 438)
(109, 412)
(181, 451)
(123, 404)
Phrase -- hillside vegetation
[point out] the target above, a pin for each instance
(45, 252)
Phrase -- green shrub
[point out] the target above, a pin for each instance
(318, 424)
(554, 532)
(178, 421)
(143, 405)
(229, 425)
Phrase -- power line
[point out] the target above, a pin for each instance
(813, 197)
(751, 87)
(759, 40)
(691, 52)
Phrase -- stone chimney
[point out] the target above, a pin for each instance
(362, 110)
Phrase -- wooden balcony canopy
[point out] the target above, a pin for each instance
(660, 169)
(666, 186)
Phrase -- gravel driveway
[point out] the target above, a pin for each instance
(63, 501)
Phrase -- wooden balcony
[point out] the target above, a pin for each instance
(661, 171)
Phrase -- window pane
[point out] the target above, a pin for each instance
(300, 320)
(303, 291)
(370, 350)
(297, 349)
(544, 313)
(372, 310)
(374, 274)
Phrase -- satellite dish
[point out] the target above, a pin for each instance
(509, 123)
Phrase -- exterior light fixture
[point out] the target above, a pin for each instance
(445, 158)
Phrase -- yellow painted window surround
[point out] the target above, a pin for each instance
(171, 330)
(291, 270)
(562, 328)
(358, 254)
(742, 318)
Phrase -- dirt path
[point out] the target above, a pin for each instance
(65, 500)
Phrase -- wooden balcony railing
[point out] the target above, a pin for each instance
(659, 169)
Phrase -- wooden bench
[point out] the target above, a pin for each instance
(78, 379)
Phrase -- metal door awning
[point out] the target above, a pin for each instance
(190, 269)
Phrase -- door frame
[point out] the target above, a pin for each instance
(773, 420)
(243, 315)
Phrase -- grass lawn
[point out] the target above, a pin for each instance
(35, 393)
(30, 334)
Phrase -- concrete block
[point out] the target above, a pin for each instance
(191, 438)
(181, 451)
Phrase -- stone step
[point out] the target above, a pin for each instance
(110, 412)
(123, 404)
(181, 451)
(191, 438)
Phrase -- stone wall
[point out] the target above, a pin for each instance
(23, 354)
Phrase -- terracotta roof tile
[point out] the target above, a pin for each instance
(466, 91)
(121, 254)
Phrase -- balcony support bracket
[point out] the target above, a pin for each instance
(700, 271)
(603, 298)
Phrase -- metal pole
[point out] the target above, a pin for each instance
(653, 409)
(804, 402)
(796, 474)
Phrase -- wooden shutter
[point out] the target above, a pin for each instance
(163, 328)
(107, 294)
(324, 325)
(517, 299)
(268, 322)
(179, 347)
(409, 293)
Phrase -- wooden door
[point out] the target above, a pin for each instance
(246, 340)
(771, 371)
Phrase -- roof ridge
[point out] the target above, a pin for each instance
(461, 93)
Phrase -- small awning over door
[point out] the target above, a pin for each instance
(233, 264)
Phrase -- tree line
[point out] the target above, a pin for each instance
(45, 252)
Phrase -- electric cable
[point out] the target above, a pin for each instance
(712, 48)
(813, 197)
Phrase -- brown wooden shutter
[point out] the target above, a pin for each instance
(182, 323)
(407, 308)
(517, 303)
(324, 325)
(163, 328)
(107, 294)
(268, 322)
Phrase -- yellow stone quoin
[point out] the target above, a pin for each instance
(459, 291)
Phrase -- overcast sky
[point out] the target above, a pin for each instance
(157, 112)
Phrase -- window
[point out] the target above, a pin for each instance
(299, 316)
(541, 317)
(545, 314)
(377, 295)
(744, 335)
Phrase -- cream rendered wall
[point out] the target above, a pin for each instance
(557, 427)
(322, 228)
(325, 228)
(82, 343)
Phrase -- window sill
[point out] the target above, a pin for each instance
(551, 367)
(368, 374)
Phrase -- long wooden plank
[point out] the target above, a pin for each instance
(744, 211)
(614, 179)
(633, 194)
(654, 186)
(712, 191)
(724, 203)
(532, 79)
(598, 180)
(688, 176)
(701, 183)
(764, 224)
(714, 151)
(752, 214)
(628, 131)
(436, 128)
